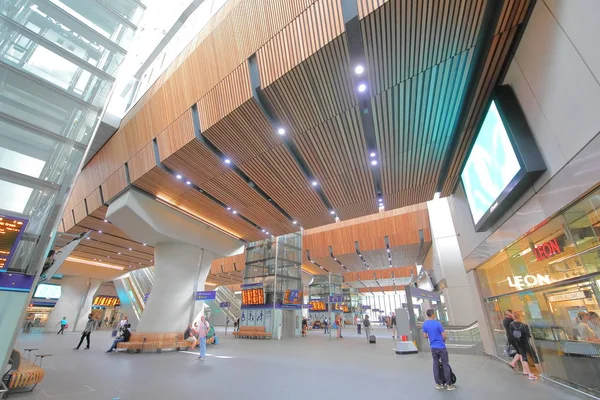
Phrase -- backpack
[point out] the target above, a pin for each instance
(516, 331)
(366, 323)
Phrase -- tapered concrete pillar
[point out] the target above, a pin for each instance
(183, 251)
(180, 269)
(75, 303)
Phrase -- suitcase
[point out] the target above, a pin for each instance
(441, 373)
(372, 339)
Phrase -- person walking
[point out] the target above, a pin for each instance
(521, 335)
(325, 325)
(203, 328)
(338, 326)
(434, 331)
(63, 324)
(87, 331)
(226, 324)
(367, 325)
(358, 324)
(394, 326)
(125, 336)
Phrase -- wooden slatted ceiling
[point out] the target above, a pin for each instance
(416, 73)
(167, 188)
(366, 7)
(513, 14)
(390, 273)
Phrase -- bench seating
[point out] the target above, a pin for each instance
(254, 332)
(156, 342)
(24, 374)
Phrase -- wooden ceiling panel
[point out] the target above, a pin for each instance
(233, 191)
(243, 134)
(277, 173)
(161, 184)
(196, 163)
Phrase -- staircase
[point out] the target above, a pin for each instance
(235, 304)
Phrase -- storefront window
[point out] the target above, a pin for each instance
(551, 276)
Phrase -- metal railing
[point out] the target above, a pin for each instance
(464, 336)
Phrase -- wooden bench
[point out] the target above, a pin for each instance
(22, 374)
(254, 332)
(156, 342)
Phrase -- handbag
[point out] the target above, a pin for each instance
(510, 350)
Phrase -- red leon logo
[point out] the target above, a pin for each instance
(547, 250)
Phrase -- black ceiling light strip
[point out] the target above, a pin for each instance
(267, 109)
(314, 262)
(487, 27)
(336, 260)
(215, 150)
(356, 49)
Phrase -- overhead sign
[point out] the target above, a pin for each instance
(292, 297)
(424, 294)
(547, 250)
(336, 298)
(106, 301)
(253, 296)
(567, 296)
(251, 285)
(318, 305)
(224, 304)
(206, 295)
(366, 307)
(528, 281)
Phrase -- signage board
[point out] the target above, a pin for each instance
(566, 296)
(547, 249)
(206, 295)
(292, 297)
(528, 281)
(318, 305)
(366, 307)
(251, 285)
(224, 304)
(253, 296)
(106, 301)
(336, 298)
(424, 294)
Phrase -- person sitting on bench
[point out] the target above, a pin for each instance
(125, 335)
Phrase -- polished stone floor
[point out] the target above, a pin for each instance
(304, 368)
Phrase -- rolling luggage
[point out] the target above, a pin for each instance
(441, 373)
(372, 339)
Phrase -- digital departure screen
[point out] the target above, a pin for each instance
(106, 301)
(11, 230)
(491, 165)
(253, 296)
(318, 306)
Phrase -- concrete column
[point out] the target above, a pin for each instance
(172, 302)
(485, 328)
(75, 303)
(448, 264)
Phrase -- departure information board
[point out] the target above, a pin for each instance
(106, 301)
(253, 296)
(11, 230)
(318, 306)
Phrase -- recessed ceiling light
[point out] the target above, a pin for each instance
(99, 231)
(179, 176)
(267, 232)
(105, 220)
(235, 212)
(130, 249)
(373, 154)
(281, 131)
(228, 208)
(362, 87)
(87, 238)
(119, 253)
(263, 231)
(359, 69)
(143, 244)
(294, 222)
(332, 212)
(188, 182)
(227, 161)
(314, 183)
(374, 162)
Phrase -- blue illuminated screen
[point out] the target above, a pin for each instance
(47, 291)
(491, 166)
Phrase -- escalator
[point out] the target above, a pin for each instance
(224, 295)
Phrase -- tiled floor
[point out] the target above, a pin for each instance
(304, 368)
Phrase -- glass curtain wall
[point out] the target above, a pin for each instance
(58, 60)
(552, 278)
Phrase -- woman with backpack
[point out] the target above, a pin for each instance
(521, 334)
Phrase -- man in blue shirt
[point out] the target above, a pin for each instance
(434, 331)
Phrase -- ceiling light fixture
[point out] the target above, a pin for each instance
(235, 212)
(373, 154)
(130, 249)
(314, 183)
(179, 176)
(362, 87)
(267, 232)
(105, 220)
(281, 131)
(332, 212)
(359, 69)
(119, 253)
(228, 208)
(227, 161)
(99, 231)
(294, 222)
(188, 182)
(143, 244)
(263, 231)
(374, 162)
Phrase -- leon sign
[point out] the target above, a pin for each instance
(527, 281)
(547, 250)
